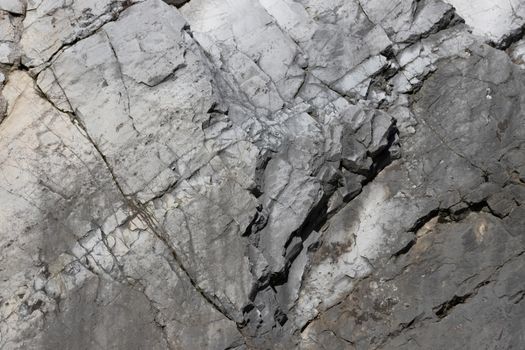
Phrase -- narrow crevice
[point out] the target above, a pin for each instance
(449, 19)
(259, 221)
(177, 3)
(44, 96)
(405, 249)
(403, 327)
(115, 15)
(422, 221)
(163, 236)
(361, 8)
(142, 213)
(509, 39)
(446, 308)
(384, 156)
(310, 321)
(122, 79)
(166, 78)
(162, 329)
(518, 297)
(443, 215)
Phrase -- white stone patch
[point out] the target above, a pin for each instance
(14, 6)
(331, 279)
(358, 79)
(493, 19)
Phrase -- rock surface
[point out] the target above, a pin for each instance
(262, 174)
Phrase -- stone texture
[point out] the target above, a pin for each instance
(14, 6)
(498, 22)
(261, 174)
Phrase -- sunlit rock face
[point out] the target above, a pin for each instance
(262, 174)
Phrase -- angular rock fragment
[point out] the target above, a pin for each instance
(122, 89)
(498, 22)
(9, 36)
(14, 6)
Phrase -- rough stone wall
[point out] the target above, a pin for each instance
(262, 174)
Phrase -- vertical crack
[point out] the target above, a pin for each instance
(119, 68)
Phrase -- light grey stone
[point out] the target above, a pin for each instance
(494, 21)
(14, 6)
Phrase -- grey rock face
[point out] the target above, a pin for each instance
(261, 174)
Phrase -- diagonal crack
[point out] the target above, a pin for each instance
(115, 16)
(444, 309)
(443, 215)
(139, 209)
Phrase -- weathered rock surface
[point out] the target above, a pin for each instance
(262, 174)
